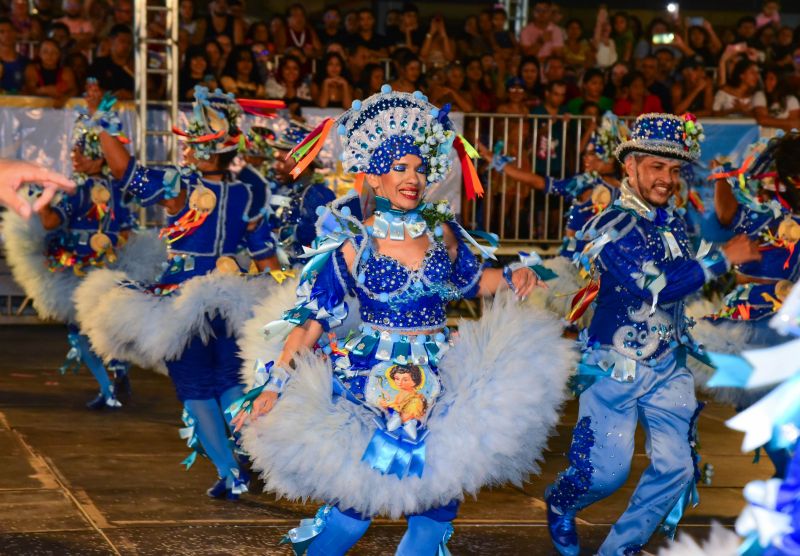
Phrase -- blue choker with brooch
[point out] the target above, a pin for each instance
(394, 223)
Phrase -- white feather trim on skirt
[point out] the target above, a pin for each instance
(557, 298)
(724, 337)
(144, 329)
(503, 382)
(51, 292)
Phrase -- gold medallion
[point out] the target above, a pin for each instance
(782, 289)
(100, 194)
(226, 265)
(203, 200)
(100, 242)
(789, 230)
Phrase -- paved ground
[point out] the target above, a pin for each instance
(78, 482)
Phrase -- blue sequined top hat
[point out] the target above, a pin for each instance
(608, 136)
(664, 135)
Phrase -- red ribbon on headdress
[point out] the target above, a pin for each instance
(472, 183)
(307, 150)
(258, 107)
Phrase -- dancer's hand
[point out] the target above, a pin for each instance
(262, 405)
(524, 280)
(15, 173)
(741, 249)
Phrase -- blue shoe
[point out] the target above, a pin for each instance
(562, 530)
(122, 384)
(230, 487)
(218, 489)
(102, 401)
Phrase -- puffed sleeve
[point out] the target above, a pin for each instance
(467, 269)
(558, 187)
(315, 196)
(147, 186)
(749, 221)
(322, 296)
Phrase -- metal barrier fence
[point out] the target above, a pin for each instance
(547, 145)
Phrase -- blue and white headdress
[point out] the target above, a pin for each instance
(664, 135)
(608, 136)
(87, 128)
(387, 126)
(213, 126)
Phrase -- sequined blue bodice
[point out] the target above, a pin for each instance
(394, 296)
(391, 296)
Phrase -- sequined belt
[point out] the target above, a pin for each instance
(385, 345)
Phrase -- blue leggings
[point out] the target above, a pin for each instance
(206, 379)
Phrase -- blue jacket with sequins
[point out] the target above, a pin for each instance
(227, 227)
(80, 219)
(646, 268)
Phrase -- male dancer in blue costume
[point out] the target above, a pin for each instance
(636, 345)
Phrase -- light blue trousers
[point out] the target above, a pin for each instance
(662, 399)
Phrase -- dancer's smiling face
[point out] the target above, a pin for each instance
(404, 183)
(655, 178)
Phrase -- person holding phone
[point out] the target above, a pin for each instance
(438, 50)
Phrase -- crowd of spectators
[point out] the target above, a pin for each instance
(477, 64)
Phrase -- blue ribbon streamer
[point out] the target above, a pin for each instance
(189, 433)
(301, 536)
(394, 454)
(72, 362)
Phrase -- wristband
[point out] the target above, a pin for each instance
(271, 377)
(509, 270)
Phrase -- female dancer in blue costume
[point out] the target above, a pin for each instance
(417, 417)
(85, 231)
(589, 194)
(188, 318)
(772, 219)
